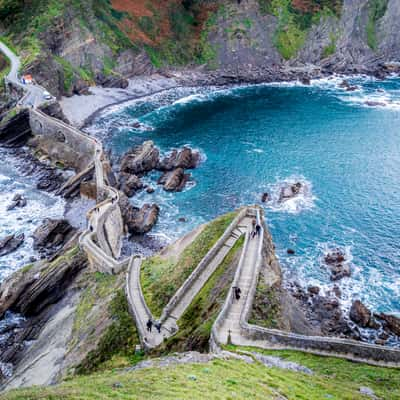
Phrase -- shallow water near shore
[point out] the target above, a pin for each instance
(343, 146)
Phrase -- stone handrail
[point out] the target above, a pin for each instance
(214, 343)
(168, 310)
(252, 335)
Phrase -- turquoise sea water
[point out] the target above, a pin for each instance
(254, 139)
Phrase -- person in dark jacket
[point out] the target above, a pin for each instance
(158, 326)
(149, 325)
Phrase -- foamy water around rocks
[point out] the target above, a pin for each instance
(342, 145)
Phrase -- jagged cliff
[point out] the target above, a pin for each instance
(68, 45)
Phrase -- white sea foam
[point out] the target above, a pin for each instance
(304, 200)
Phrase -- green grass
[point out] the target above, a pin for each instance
(120, 338)
(227, 379)
(343, 374)
(196, 323)
(161, 278)
(376, 10)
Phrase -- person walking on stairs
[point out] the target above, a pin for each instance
(158, 326)
(253, 230)
(258, 229)
(149, 325)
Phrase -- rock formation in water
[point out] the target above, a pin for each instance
(141, 159)
(11, 243)
(52, 235)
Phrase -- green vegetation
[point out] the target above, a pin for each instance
(119, 339)
(196, 323)
(331, 48)
(162, 277)
(228, 379)
(68, 73)
(114, 344)
(295, 19)
(341, 376)
(376, 10)
(267, 306)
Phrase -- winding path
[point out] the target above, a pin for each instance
(184, 296)
(231, 325)
(34, 94)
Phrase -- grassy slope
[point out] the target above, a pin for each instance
(161, 278)
(220, 379)
(103, 323)
(196, 323)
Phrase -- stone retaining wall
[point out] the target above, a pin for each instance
(62, 141)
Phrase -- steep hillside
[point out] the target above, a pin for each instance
(71, 44)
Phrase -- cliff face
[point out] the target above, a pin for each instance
(68, 45)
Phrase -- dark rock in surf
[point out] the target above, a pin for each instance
(141, 159)
(174, 181)
(336, 261)
(185, 158)
(265, 197)
(290, 191)
(11, 243)
(130, 184)
(361, 315)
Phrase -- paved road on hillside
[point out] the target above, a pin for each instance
(34, 94)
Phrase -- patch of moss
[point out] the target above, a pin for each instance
(161, 278)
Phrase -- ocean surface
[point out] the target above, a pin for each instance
(344, 150)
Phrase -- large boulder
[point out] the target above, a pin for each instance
(361, 315)
(141, 159)
(185, 158)
(336, 261)
(390, 322)
(11, 243)
(52, 235)
(290, 191)
(130, 184)
(174, 181)
(17, 201)
(138, 220)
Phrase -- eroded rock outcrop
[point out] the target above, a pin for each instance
(361, 315)
(174, 181)
(185, 158)
(130, 184)
(138, 220)
(11, 243)
(52, 235)
(141, 159)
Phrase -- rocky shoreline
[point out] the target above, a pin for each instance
(82, 112)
